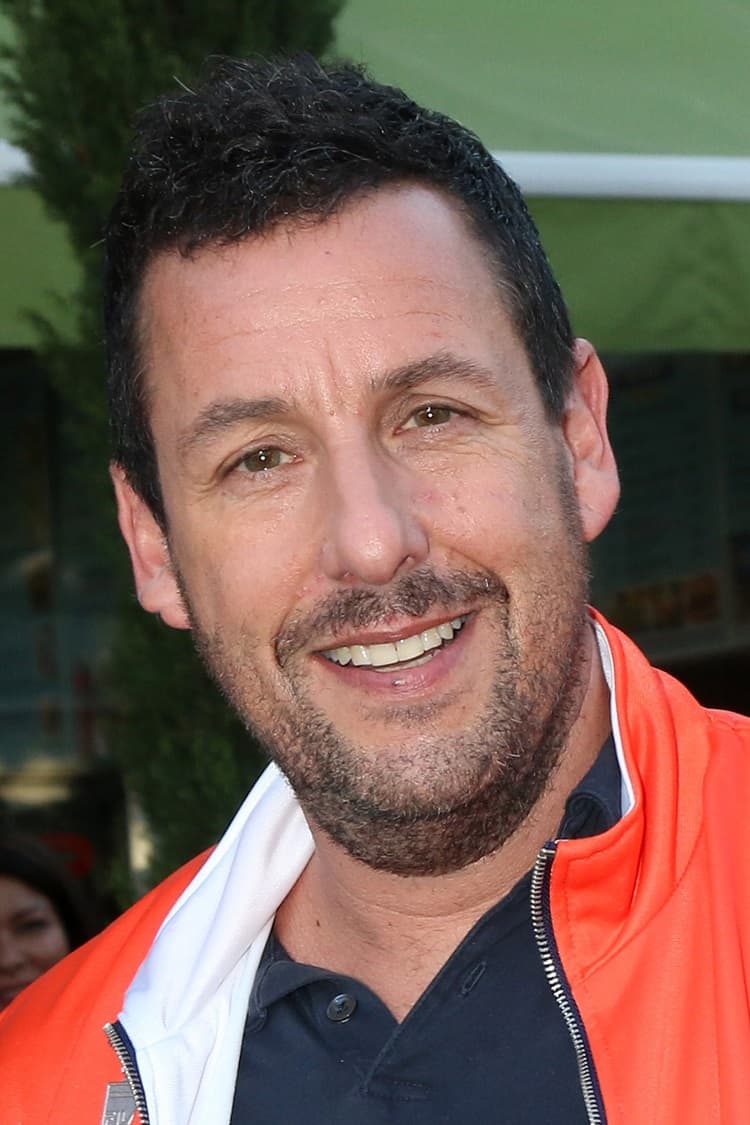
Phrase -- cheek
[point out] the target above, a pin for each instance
(50, 947)
(247, 582)
(481, 518)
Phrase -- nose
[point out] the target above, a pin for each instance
(373, 529)
(11, 954)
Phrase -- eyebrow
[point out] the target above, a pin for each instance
(30, 911)
(221, 416)
(441, 365)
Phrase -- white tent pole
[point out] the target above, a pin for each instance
(626, 176)
(577, 174)
(13, 163)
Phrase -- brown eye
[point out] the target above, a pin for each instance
(260, 460)
(432, 415)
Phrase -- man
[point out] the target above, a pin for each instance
(359, 454)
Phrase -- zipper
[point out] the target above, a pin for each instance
(121, 1046)
(541, 920)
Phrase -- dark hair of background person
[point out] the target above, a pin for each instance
(262, 142)
(31, 862)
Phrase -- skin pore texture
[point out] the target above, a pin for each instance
(32, 937)
(354, 455)
(452, 799)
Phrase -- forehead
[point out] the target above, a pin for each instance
(16, 895)
(393, 277)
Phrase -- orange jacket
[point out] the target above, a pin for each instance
(650, 920)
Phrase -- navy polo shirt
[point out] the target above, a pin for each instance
(485, 1043)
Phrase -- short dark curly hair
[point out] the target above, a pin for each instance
(261, 142)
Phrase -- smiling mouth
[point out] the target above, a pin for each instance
(409, 652)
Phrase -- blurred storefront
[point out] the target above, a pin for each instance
(55, 609)
(673, 567)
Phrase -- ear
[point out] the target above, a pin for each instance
(585, 433)
(155, 582)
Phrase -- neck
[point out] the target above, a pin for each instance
(394, 933)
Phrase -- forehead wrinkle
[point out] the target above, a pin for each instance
(304, 304)
(280, 318)
(223, 415)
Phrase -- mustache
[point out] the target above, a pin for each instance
(412, 594)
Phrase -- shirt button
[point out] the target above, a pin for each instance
(341, 1008)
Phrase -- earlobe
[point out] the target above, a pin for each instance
(155, 581)
(585, 431)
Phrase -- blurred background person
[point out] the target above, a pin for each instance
(43, 914)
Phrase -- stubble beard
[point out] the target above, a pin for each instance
(441, 802)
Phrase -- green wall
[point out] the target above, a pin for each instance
(37, 272)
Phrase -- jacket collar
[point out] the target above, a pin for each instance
(185, 1009)
(605, 889)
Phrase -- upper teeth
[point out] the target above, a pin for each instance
(408, 648)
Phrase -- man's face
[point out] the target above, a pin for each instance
(374, 530)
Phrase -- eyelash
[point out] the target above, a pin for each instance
(436, 407)
(240, 464)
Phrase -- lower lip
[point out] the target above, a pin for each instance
(400, 680)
